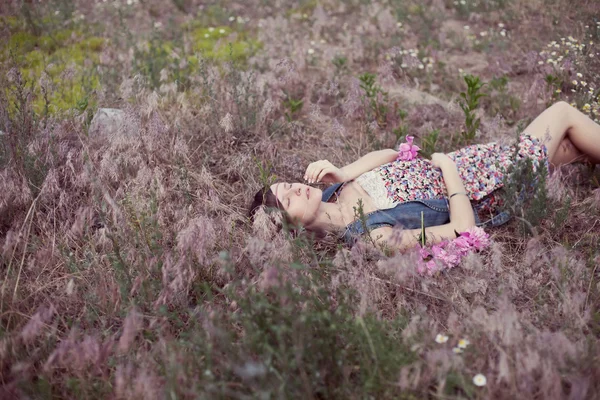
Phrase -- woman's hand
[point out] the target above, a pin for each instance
(439, 160)
(324, 171)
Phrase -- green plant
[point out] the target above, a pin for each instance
(341, 64)
(500, 101)
(429, 143)
(524, 192)
(469, 104)
(376, 97)
(292, 106)
(265, 175)
(402, 129)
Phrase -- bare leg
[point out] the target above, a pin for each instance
(567, 153)
(561, 121)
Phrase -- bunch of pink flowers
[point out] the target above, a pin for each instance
(449, 253)
(408, 151)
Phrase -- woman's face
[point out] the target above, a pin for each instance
(300, 201)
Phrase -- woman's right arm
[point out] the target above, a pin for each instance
(325, 171)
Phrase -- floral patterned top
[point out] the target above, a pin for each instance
(481, 167)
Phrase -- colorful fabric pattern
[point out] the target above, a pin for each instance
(481, 167)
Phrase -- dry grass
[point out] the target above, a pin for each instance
(129, 269)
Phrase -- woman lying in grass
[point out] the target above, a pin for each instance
(451, 192)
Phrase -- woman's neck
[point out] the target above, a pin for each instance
(331, 216)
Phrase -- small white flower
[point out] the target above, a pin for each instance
(399, 24)
(503, 33)
(206, 35)
(583, 83)
(56, 12)
(312, 43)
(231, 19)
(311, 51)
(221, 31)
(463, 343)
(440, 338)
(500, 25)
(580, 75)
(467, 27)
(157, 24)
(463, 2)
(479, 380)
(457, 350)
(540, 62)
(574, 82)
(322, 41)
(482, 34)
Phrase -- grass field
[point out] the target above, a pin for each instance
(129, 268)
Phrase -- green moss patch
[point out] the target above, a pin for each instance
(57, 66)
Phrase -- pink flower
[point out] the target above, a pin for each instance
(477, 238)
(407, 151)
(449, 254)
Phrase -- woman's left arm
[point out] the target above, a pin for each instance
(461, 213)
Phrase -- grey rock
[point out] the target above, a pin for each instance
(415, 96)
(108, 121)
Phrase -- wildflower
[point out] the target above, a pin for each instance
(211, 29)
(540, 62)
(479, 380)
(231, 19)
(457, 350)
(440, 338)
(579, 75)
(574, 82)
(503, 33)
(311, 51)
(206, 35)
(558, 91)
(407, 151)
(157, 24)
(463, 343)
(482, 34)
(467, 27)
(322, 41)
(463, 2)
(583, 83)
(586, 107)
(399, 24)
(500, 25)
(221, 31)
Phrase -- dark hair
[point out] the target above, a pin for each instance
(264, 197)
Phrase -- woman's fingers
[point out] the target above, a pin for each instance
(314, 170)
(324, 172)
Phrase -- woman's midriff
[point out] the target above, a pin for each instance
(350, 195)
